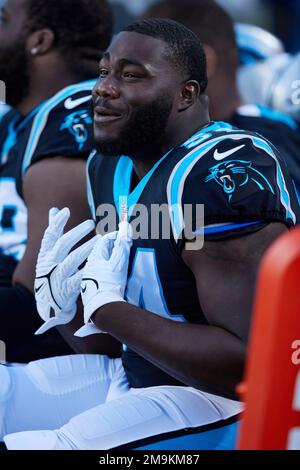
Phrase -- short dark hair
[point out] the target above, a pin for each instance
(208, 20)
(82, 28)
(183, 48)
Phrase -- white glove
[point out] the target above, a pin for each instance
(105, 275)
(57, 282)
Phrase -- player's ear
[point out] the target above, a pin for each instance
(190, 92)
(40, 42)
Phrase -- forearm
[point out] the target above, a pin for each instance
(201, 356)
(25, 271)
(95, 344)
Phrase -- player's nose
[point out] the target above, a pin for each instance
(106, 88)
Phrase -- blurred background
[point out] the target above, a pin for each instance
(280, 17)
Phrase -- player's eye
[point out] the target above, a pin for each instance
(131, 74)
(103, 73)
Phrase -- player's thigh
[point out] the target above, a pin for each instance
(46, 394)
(143, 413)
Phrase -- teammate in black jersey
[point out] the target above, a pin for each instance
(215, 29)
(48, 60)
(184, 318)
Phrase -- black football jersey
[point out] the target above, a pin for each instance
(12, 229)
(60, 126)
(239, 179)
(280, 129)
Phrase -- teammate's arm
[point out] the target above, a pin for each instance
(58, 182)
(209, 357)
(54, 182)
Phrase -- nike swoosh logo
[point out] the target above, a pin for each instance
(38, 289)
(221, 155)
(48, 277)
(71, 104)
(85, 279)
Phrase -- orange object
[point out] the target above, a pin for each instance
(272, 394)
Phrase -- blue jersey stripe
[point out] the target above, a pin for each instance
(176, 185)
(122, 181)
(284, 194)
(225, 228)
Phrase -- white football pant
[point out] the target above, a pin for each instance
(84, 402)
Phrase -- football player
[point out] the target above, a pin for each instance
(215, 29)
(49, 53)
(181, 313)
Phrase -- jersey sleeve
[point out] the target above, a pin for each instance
(63, 126)
(231, 185)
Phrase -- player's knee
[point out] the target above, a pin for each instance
(36, 440)
(65, 374)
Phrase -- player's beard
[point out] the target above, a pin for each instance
(14, 72)
(145, 130)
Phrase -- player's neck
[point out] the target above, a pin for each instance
(144, 163)
(223, 104)
(43, 88)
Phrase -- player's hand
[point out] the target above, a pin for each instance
(57, 282)
(105, 275)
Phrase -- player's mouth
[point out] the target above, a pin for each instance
(103, 115)
(228, 183)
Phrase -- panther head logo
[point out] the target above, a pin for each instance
(76, 123)
(236, 174)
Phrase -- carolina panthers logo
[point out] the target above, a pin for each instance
(236, 174)
(76, 123)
